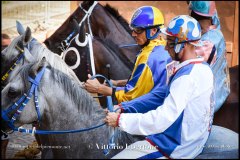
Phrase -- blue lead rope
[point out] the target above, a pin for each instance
(111, 144)
(127, 45)
(32, 131)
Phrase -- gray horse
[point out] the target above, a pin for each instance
(32, 51)
(64, 105)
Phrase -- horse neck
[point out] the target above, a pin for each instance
(118, 67)
(107, 26)
(70, 105)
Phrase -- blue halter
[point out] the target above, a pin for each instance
(21, 103)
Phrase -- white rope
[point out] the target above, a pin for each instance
(78, 57)
(91, 54)
(87, 15)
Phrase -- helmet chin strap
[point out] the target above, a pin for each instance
(148, 33)
(149, 37)
(178, 47)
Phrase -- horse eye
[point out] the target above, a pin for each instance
(12, 93)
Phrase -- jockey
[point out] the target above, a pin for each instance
(180, 127)
(214, 49)
(149, 69)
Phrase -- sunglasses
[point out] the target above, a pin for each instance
(172, 44)
(137, 30)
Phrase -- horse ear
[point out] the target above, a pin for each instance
(82, 33)
(27, 36)
(20, 28)
(75, 25)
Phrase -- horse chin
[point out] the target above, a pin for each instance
(5, 128)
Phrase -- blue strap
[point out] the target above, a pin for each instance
(127, 45)
(110, 108)
(148, 34)
(23, 101)
(111, 145)
(23, 130)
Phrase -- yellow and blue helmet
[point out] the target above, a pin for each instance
(186, 29)
(147, 17)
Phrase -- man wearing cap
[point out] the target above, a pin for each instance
(214, 49)
(180, 127)
(149, 70)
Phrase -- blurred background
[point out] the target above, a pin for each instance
(44, 17)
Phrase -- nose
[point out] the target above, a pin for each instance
(134, 34)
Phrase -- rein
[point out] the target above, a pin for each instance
(21, 103)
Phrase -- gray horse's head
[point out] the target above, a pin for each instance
(16, 89)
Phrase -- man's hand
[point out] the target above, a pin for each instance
(117, 109)
(111, 119)
(119, 83)
(114, 82)
(92, 85)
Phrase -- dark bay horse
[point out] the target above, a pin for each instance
(108, 30)
(70, 109)
(105, 53)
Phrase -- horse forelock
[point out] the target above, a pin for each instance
(9, 53)
(25, 72)
(54, 60)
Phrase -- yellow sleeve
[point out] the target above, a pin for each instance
(138, 85)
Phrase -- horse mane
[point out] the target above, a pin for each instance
(80, 97)
(54, 59)
(114, 12)
(115, 49)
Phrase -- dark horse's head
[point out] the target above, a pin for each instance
(109, 31)
(104, 22)
(105, 55)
